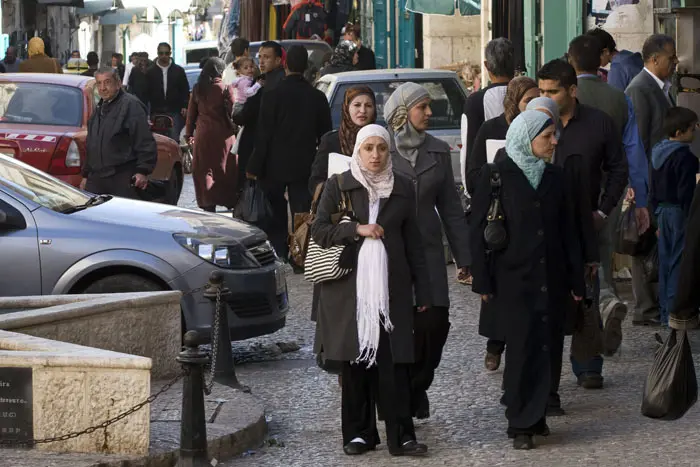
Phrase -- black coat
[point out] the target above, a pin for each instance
(330, 142)
(119, 136)
(530, 281)
(337, 324)
(438, 207)
(684, 314)
(293, 118)
(178, 89)
(366, 59)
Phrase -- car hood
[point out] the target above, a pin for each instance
(171, 219)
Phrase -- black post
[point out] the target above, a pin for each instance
(225, 370)
(193, 428)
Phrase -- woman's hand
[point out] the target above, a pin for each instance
(374, 231)
(485, 298)
(421, 309)
(190, 140)
(576, 297)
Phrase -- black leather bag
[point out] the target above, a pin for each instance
(495, 233)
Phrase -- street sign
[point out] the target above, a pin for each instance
(16, 415)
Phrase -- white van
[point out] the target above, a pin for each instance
(193, 52)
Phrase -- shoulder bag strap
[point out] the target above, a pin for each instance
(495, 212)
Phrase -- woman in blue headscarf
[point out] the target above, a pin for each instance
(531, 279)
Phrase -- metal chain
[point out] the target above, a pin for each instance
(208, 385)
(103, 425)
(194, 291)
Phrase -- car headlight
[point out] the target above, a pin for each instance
(222, 255)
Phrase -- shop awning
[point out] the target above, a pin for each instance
(76, 3)
(444, 7)
(129, 16)
(92, 7)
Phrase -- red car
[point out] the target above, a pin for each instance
(43, 123)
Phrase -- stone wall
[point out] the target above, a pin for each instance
(75, 387)
(630, 25)
(451, 39)
(145, 324)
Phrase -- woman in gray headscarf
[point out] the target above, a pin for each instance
(427, 162)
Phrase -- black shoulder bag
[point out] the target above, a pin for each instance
(495, 233)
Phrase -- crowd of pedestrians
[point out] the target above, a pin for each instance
(549, 163)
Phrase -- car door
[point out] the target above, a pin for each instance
(20, 273)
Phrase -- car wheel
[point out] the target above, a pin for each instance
(122, 283)
(174, 186)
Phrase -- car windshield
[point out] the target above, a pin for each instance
(192, 77)
(447, 100)
(40, 104)
(20, 179)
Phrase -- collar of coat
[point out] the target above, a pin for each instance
(401, 185)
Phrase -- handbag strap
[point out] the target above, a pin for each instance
(495, 212)
(316, 198)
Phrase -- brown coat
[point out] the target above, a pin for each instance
(40, 64)
(213, 167)
(336, 326)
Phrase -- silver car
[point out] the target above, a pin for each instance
(445, 88)
(56, 239)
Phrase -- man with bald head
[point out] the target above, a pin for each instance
(11, 62)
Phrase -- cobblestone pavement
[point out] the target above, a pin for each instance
(601, 428)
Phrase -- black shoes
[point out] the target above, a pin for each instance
(523, 442)
(410, 448)
(354, 448)
(590, 381)
(654, 322)
(492, 361)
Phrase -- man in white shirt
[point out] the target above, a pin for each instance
(649, 93)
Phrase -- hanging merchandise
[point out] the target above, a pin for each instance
(444, 7)
(307, 19)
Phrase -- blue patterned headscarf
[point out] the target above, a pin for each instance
(521, 132)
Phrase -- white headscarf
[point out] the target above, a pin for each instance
(372, 278)
(378, 185)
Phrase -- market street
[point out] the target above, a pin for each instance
(467, 427)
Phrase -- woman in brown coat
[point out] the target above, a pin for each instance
(213, 167)
(38, 61)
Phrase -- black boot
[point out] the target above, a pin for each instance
(523, 442)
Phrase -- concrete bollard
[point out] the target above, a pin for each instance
(193, 428)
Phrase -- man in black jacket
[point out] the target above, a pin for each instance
(270, 60)
(121, 150)
(168, 89)
(364, 59)
(293, 117)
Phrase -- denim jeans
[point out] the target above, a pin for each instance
(671, 221)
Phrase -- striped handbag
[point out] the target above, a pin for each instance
(329, 264)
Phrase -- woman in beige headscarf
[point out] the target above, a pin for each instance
(38, 61)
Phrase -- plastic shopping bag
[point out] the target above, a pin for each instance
(671, 387)
(253, 206)
(627, 232)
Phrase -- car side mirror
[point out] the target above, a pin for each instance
(11, 221)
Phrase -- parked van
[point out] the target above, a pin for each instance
(195, 51)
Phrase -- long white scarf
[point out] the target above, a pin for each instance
(372, 293)
(372, 275)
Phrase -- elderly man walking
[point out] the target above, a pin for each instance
(121, 150)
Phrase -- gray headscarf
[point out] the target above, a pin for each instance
(548, 104)
(406, 138)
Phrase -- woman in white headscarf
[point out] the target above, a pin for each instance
(427, 162)
(365, 319)
(530, 280)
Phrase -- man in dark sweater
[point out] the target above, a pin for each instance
(293, 117)
(594, 135)
(168, 89)
(584, 54)
(673, 183)
(487, 103)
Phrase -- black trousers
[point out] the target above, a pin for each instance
(385, 384)
(431, 328)
(556, 355)
(118, 184)
(299, 202)
(495, 347)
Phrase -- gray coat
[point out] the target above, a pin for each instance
(650, 106)
(336, 325)
(438, 206)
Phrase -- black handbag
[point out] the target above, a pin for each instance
(495, 233)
